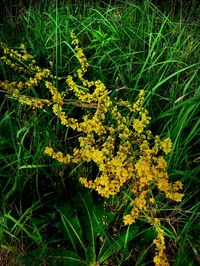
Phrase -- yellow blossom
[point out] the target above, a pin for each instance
(125, 152)
(166, 145)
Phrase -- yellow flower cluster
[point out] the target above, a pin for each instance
(160, 259)
(23, 62)
(33, 102)
(125, 152)
(82, 60)
(19, 61)
(14, 89)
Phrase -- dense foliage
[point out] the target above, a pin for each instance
(121, 122)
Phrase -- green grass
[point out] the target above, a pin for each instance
(46, 216)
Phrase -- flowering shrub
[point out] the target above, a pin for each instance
(127, 155)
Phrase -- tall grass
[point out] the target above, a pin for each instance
(45, 212)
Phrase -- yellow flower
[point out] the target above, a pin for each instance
(22, 46)
(48, 150)
(124, 151)
(166, 145)
(128, 219)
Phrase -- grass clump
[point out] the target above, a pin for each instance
(95, 120)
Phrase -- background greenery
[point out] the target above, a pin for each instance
(46, 217)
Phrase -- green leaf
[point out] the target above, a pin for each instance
(121, 241)
(63, 257)
(72, 226)
(99, 35)
(90, 255)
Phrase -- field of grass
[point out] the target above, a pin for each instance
(47, 216)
